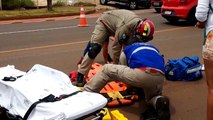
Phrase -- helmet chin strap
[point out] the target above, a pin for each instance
(142, 39)
(135, 32)
(135, 38)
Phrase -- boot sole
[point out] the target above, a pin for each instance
(162, 107)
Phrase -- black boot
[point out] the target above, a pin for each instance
(162, 108)
(80, 80)
(149, 114)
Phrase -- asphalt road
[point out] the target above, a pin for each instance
(59, 44)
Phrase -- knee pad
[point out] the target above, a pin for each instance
(87, 48)
(94, 50)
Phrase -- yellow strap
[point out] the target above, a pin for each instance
(107, 116)
(115, 95)
(116, 115)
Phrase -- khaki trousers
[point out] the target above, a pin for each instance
(100, 35)
(152, 83)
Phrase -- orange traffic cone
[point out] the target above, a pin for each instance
(83, 22)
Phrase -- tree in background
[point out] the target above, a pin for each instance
(0, 5)
(49, 5)
(16, 4)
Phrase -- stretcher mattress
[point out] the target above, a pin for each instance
(40, 81)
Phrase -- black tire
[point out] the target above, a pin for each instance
(148, 5)
(191, 17)
(133, 5)
(172, 20)
(158, 10)
(103, 2)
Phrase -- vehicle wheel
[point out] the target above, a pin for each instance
(158, 10)
(191, 17)
(133, 5)
(103, 2)
(148, 5)
(172, 20)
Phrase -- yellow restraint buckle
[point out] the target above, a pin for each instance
(115, 95)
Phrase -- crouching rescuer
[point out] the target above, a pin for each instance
(141, 66)
(118, 23)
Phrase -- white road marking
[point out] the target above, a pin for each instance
(36, 30)
(41, 47)
(65, 44)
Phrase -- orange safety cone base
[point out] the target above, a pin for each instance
(83, 25)
(83, 21)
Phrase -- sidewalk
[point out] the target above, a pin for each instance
(99, 10)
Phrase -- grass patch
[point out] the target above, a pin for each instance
(43, 12)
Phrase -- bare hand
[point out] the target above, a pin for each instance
(200, 25)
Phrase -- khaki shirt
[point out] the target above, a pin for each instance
(119, 22)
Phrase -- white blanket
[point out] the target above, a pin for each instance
(40, 81)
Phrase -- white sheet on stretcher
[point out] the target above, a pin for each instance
(39, 82)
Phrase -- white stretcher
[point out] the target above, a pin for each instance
(40, 81)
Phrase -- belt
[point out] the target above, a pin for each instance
(150, 70)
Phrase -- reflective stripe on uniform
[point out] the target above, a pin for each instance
(142, 48)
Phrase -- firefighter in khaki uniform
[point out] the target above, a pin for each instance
(118, 23)
(141, 66)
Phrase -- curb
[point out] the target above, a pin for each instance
(30, 20)
(98, 12)
(95, 13)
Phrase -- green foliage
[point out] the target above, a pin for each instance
(83, 3)
(10, 4)
(16, 4)
(42, 12)
(26, 3)
(59, 3)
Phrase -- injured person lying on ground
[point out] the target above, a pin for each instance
(141, 66)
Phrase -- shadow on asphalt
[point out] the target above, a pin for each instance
(120, 6)
(180, 23)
